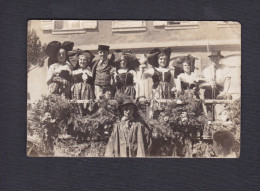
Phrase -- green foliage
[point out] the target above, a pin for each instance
(178, 126)
(202, 150)
(96, 127)
(176, 130)
(234, 110)
(52, 117)
(48, 118)
(35, 50)
(70, 148)
(233, 126)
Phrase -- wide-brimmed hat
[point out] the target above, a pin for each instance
(52, 49)
(178, 64)
(103, 47)
(153, 56)
(72, 53)
(215, 54)
(67, 45)
(128, 102)
(131, 59)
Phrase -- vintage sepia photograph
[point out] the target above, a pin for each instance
(133, 88)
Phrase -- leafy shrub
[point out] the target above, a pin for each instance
(35, 50)
(178, 126)
(176, 130)
(48, 118)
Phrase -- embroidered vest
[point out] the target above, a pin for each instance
(102, 74)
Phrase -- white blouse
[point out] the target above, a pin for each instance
(56, 68)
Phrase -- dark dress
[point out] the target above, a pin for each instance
(82, 90)
(56, 85)
(161, 85)
(125, 84)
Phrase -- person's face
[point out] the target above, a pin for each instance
(61, 55)
(215, 60)
(103, 54)
(82, 61)
(186, 67)
(224, 116)
(73, 60)
(128, 111)
(162, 61)
(217, 148)
(123, 62)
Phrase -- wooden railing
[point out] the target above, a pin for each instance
(207, 101)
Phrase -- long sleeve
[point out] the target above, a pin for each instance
(50, 74)
(178, 83)
(144, 141)
(172, 81)
(227, 84)
(135, 79)
(148, 73)
(110, 146)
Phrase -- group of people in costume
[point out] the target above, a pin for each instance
(74, 75)
(78, 74)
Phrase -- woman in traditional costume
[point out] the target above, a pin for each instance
(162, 76)
(83, 87)
(59, 73)
(186, 78)
(125, 76)
(52, 48)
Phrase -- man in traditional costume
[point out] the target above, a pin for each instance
(217, 78)
(130, 136)
(103, 73)
(217, 82)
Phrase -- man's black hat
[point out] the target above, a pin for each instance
(103, 47)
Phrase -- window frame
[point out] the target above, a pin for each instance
(182, 25)
(122, 28)
(49, 25)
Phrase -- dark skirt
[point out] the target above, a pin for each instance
(128, 90)
(59, 89)
(82, 91)
(161, 91)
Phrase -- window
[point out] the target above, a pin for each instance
(68, 26)
(121, 26)
(176, 25)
